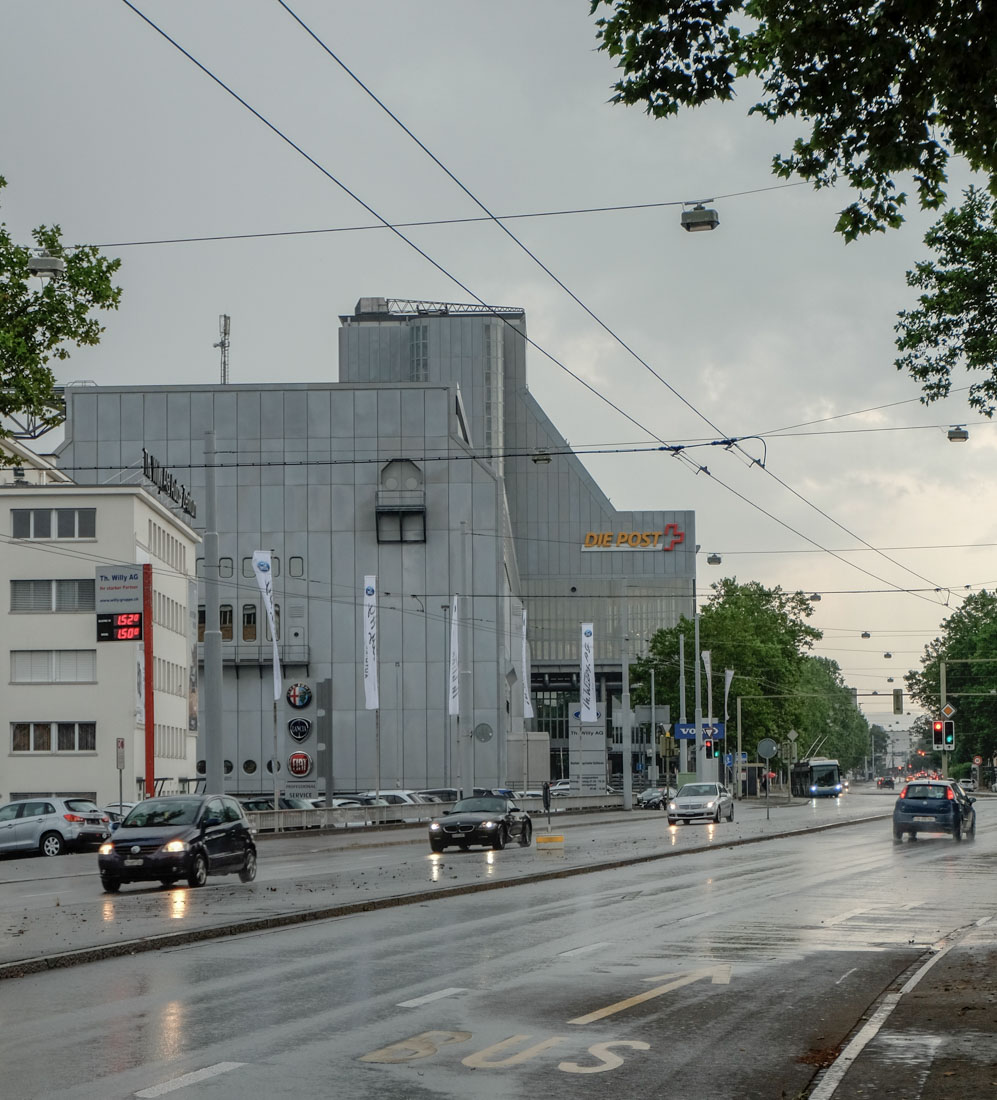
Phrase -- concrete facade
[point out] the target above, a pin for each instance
(417, 467)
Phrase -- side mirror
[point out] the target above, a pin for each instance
(115, 825)
(445, 813)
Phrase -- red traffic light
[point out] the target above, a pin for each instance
(708, 746)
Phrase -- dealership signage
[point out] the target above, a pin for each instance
(166, 482)
(666, 539)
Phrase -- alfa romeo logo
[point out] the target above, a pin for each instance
(299, 695)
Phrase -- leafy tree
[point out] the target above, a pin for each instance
(760, 633)
(886, 86)
(955, 324)
(37, 324)
(969, 649)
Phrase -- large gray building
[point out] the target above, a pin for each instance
(425, 465)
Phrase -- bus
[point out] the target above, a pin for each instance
(816, 778)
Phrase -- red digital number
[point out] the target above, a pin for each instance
(131, 618)
(127, 633)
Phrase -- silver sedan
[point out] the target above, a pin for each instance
(701, 802)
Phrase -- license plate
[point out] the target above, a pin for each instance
(928, 819)
(134, 862)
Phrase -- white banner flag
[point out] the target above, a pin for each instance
(264, 578)
(453, 706)
(370, 642)
(527, 704)
(587, 680)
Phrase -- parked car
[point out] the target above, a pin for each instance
(700, 802)
(118, 810)
(287, 802)
(655, 798)
(560, 787)
(185, 836)
(441, 794)
(52, 825)
(398, 798)
(481, 819)
(934, 806)
(968, 784)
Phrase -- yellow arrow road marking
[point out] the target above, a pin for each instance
(720, 975)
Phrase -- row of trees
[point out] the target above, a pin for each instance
(763, 635)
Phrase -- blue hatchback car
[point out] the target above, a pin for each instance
(934, 806)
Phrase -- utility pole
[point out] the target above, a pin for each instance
(224, 327)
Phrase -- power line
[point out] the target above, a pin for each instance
(439, 267)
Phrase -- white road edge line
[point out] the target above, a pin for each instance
(416, 1001)
(189, 1079)
(830, 1081)
(583, 950)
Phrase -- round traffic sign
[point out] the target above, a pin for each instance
(977, 760)
(767, 748)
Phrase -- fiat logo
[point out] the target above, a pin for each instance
(299, 764)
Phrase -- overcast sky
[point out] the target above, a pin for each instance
(770, 322)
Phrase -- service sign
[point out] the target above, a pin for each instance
(666, 539)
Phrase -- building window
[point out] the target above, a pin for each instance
(418, 352)
(225, 567)
(249, 766)
(59, 523)
(247, 567)
(296, 566)
(34, 597)
(199, 567)
(38, 737)
(53, 666)
(249, 622)
(225, 621)
(200, 623)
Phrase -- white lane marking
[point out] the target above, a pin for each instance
(583, 950)
(830, 1081)
(846, 916)
(189, 1079)
(416, 1001)
(845, 975)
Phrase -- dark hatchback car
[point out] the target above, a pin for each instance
(934, 806)
(179, 836)
(484, 819)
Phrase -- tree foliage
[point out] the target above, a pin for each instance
(886, 86)
(762, 634)
(968, 646)
(36, 325)
(955, 324)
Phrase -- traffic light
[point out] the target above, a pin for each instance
(708, 746)
(937, 733)
(898, 700)
(948, 734)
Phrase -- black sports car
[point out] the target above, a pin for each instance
(179, 836)
(485, 819)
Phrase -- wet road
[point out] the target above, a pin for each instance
(737, 971)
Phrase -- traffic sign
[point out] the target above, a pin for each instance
(948, 710)
(977, 760)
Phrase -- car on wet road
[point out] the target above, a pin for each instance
(700, 802)
(50, 826)
(934, 806)
(179, 837)
(490, 820)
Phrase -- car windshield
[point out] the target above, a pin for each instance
(480, 806)
(697, 790)
(923, 790)
(82, 806)
(166, 812)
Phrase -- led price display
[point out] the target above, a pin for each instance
(123, 627)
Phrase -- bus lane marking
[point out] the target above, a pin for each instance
(719, 975)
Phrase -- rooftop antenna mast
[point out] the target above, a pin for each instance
(224, 327)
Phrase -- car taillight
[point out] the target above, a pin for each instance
(903, 793)
(949, 794)
(74, 817)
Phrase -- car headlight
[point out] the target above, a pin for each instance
(106, 849)
(434, 826)
(672, 806)
(710, 805)
(175, 846)
(489, 824)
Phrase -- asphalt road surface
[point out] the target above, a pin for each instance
(730, 961)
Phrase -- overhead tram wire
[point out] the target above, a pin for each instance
(467, 290)
(574, 297)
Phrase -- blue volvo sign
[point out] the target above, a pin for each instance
(686, 731)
